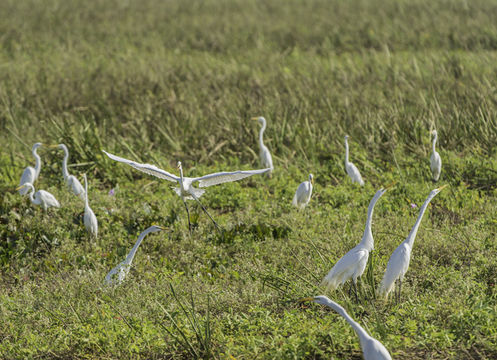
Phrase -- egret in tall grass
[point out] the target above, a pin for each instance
(303, 193)
(186, 190)
(372, 349)
(353, 263)
(399, 261)
(351, 169)
(435, 160)
(89, 218)
(71, 180)
(41, 197)
(265, 155)
(118, 274)
(30, 174)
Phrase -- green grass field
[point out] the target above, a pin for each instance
(162, 81)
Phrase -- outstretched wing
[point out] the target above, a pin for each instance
(222, 177)
(146, 168)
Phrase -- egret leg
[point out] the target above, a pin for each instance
(209, 215)
(400, 287)
(355, 291)
(188, 214)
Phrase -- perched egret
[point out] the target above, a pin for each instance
(71, 180)
(186, 190)
(399, 261)
(117, 274)
(435, 160)
(303, 193)
(41, 197)
(353, 263)
(90, 219)
(30, 174)
(372, 349)
(351, 169)
(266, 159)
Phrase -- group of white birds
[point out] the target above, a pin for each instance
(350, 267)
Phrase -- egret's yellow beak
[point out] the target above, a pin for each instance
(53, 146)
(160, 227)
(307, 299)
(391, 185)
(20, 187)
(442, 187)
(255, 118)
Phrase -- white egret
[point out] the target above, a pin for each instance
(435, 160)
(89, 218)
(41, 197)
(265, 155)
(351, 169)
(353, 263)
(399, 261)
(372, 349)
(186, 190)
(117, 274)
(71, 180)
(303, 193)
(30, 174)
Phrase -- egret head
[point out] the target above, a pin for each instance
(321, 299)
(25, 185)
(179, 165)
(311, 178)
(346, 137)
(59, 146)
(260, 119)
(436, 191)
(36, 146)
(434, 133)
(155, 228)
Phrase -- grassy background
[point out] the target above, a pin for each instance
(161, 81)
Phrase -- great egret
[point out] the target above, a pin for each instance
(399, 261)
(372, 349)
(353, 263)
(351, 169)
(266, 159)
(41, 197)
(186, 190)
(117, 274)
(71, 180)
(303, 193)
(90, 219)
(435, 160)
(30, 174)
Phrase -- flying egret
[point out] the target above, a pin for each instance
(351, 169)
(353, 263)
(71, 180)
(41, 197)
(90, 219)
(372, 349)
(186, 190)
(117, 274)
(303, 193)
(399, 261)
(435, 160)
(266, 159)
(30, 174)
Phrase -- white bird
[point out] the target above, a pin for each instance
(186, 190)
(399, 261)
(90, 219)
(372, 349)
(435, 160)
(265, 155)
(71, 180)
(303, 193)
(351, 169)
(353, 263)
(117, 274)
(41, 197)
(30, 174)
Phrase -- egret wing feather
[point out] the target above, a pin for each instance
(396, 268)
(28, 176)
(146, 168)
(223, 177)
(346, 268)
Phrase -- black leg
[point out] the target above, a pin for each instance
(355, 291)
(400, 288)
(188, 214)
(209, 215)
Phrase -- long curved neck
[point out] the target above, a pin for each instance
(363, 335)
(65, 173)
(367, 238)
(261, 142)
(131, 255)
(346, 151)
(38, 163)
(86, 191)
(434, 142)
(31, 193)
(412, 234)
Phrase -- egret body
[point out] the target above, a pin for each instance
(71, 180)
(303, 193)
(265, 155)
(41, 197)
(89, 218)
(435, 160)
(30, 174)
(351, 169)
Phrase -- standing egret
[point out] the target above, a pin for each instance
(90, 219)
(117, 274)
(303, 193)
(30, 174)
(265, 155)
(435, 160)
(399, 261)
(71, 180)
(351, 169)
(186, 190)
(41, 197)
(353, 263)
(372, 349)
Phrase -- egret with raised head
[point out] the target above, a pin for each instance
(30, 174)
(351, 169)
(265, 155)
(71, 181)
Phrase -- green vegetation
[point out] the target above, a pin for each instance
(161, 81)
